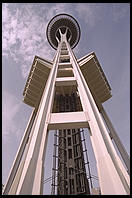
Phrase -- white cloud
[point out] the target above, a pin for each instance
(120, 10)
(89, 12)
(23, 39)
(10, 108)
(24, 31)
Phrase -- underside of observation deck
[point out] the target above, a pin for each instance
(91, 70)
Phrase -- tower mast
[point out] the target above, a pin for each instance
(65, 74)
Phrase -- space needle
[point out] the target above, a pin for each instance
(67, 96)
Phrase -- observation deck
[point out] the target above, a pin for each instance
(63, 22)
(91, 70)
(89, 65)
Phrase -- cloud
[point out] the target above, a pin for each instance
(89, 12)
(24, 31)
(119, 11)
(10, 108)
(24, 28)
(23, 36)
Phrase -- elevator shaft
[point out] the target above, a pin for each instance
(72, 177)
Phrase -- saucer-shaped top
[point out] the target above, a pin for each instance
(63, 21)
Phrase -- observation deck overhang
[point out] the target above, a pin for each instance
(36, 81)
(91, 70)
(95, 78)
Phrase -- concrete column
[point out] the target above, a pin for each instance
(117, 140)
(11, 183)
(113, 178)
(31, 177)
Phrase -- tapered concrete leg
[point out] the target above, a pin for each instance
(32, 174)
(12, 181)
(109, 179)
(111, 172)
(30, 168)
(117, 140)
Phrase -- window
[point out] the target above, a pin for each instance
(60, 141)
(77, 138)
(64, 132)
(69, 131)
(76, 166)
(70, 153)
(78, 182)
(73, 131)
(64, 52)
(65, 60)
(69, 141)
(71, 181)
(60, 133)
(65, 156)
(66, 187)
(70, 171)
(82, 179)
(80, 163)
(67, 99)
(65, 173)
(64, 143)
(74, 139)
(67, 106)
(75, 151)
(78, 150)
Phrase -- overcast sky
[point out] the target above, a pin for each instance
(105, 29)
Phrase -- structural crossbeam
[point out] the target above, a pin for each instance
(67, 120)
(65, 81)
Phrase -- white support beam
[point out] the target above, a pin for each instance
(11, 184)
(31, 175)
(116, 139)
(67, 120)
(113, 178)
(65, 81)
(64, 65)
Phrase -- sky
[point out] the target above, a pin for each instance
(105, 29)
